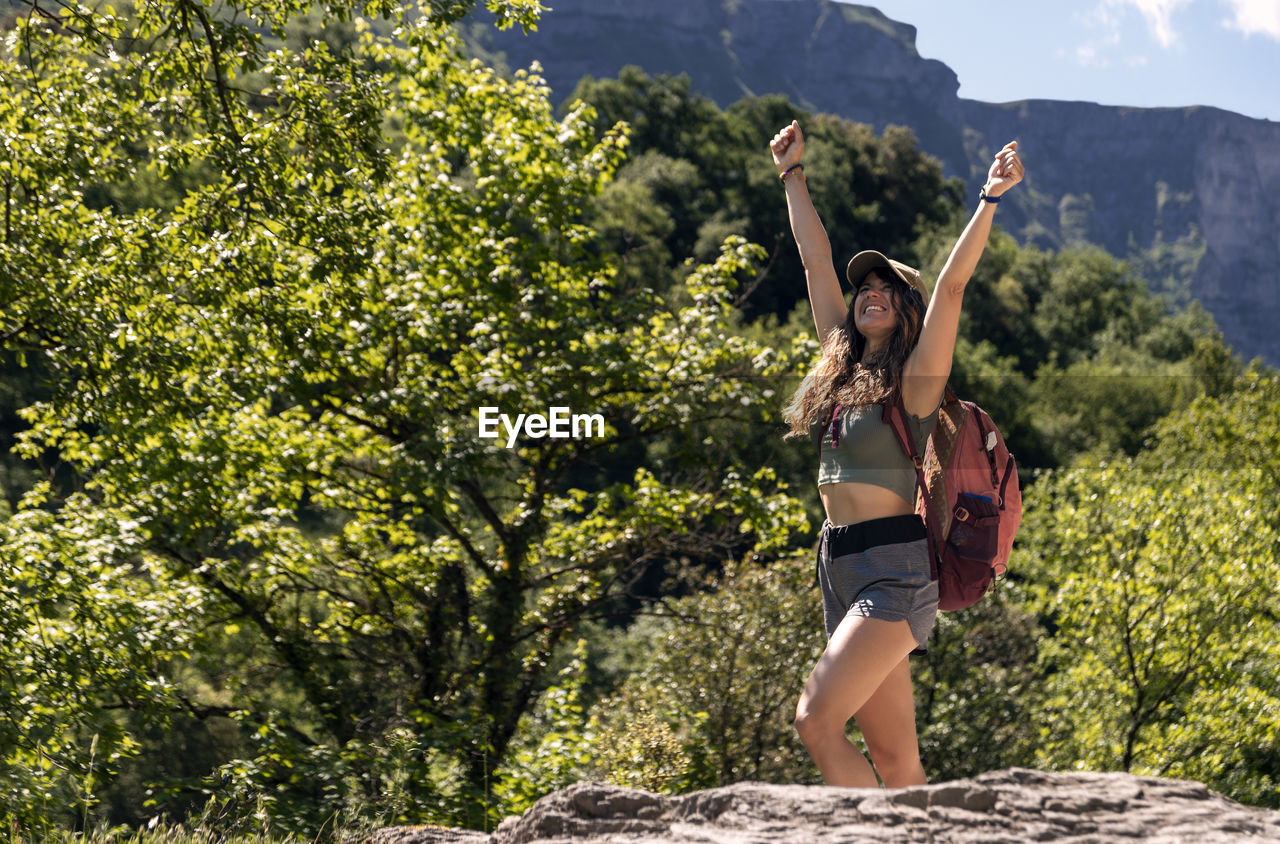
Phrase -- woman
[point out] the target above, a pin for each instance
(873, 564)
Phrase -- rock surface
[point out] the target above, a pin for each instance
(1014, 805)
(1150, 176)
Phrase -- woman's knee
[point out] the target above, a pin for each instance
(815, 726)
(808, 727)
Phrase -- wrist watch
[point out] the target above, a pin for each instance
(985, 197)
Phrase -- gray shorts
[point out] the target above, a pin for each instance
(878, 569)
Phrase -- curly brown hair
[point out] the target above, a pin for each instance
(842, 377)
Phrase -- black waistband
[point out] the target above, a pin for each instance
(859, 536)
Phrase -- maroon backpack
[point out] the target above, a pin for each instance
(969, 497)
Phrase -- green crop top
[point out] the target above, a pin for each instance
(868, 452)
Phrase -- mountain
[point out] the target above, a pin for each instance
(1201, 184)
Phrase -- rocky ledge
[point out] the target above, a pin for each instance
(1015, 805)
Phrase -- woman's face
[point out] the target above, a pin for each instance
(874, 314)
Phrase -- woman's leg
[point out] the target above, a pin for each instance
(860, 655)
(888, 724)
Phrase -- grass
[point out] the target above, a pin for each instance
(176, 835)
(161, 833)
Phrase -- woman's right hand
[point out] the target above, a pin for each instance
(787, 146)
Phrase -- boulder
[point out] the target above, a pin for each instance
(1015, 805)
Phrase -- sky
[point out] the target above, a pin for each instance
(1149, 53)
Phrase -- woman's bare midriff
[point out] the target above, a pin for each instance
(847, 503)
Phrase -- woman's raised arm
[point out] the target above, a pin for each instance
(825, 297)
(927, 369)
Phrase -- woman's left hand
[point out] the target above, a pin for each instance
(1006, 171)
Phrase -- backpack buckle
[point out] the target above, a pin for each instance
(962, 514)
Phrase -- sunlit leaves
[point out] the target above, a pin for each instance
(722, 674)
(88, 622)
(267, 374)
(1159, 574)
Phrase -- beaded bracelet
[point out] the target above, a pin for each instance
(793, 168)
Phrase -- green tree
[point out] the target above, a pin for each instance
(1072, 353)
(20, 385)
(1088, 293)
(873, 191)
(978, 688)
(723, 673)
(88, 628)
(1158, 574)
(1003, 294)
(270, 392)
(1133, 360)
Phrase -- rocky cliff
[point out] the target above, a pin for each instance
(1016, 805)
(1114, 176)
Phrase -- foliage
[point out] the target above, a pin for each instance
(86, 627)
(561, 743)
(724, 672)
(263, 263)
(709, 173)
(978, 687)
(553, 747)
(709, 699)
(269, 391)
(161, 835)
(1072, 353)
(202, 829)
(19, 386)
(1158, 573)
(644, 752)
(1234, 432)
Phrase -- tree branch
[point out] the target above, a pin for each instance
(215, 58)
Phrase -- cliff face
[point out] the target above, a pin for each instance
(1151, 175)
(1113, 176)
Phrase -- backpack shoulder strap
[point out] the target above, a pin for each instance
(895, 416)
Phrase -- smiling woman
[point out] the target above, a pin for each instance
(878, 592)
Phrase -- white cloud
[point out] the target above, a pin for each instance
(1093, 53)
(1159, 16)
(1087, 55)
(1255, 17)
